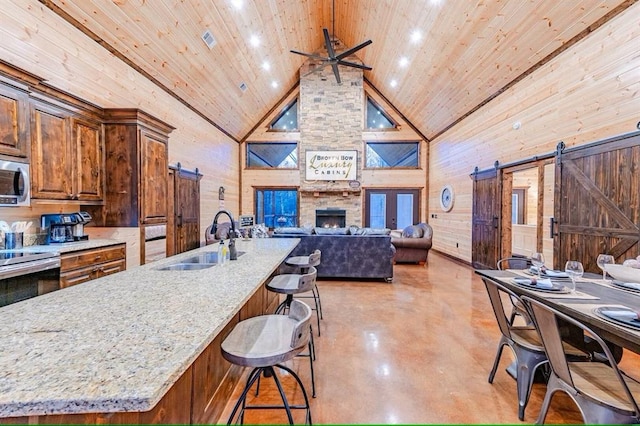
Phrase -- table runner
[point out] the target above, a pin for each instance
(576, 295)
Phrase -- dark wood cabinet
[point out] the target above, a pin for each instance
(84, 265)
(51, 156)
(14, 121)
(67, 154)
(136, 162)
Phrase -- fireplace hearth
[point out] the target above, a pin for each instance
(331, 218)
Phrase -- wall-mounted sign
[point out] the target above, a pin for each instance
(245, 221)
(331, 165)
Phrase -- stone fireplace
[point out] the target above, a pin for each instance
(331, 218)
(331, 118)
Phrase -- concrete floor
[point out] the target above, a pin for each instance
(418, 350)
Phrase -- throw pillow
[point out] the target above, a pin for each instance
(412, 231)
(330, 231)
(375, 231)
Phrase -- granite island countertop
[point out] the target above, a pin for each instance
(118, 343)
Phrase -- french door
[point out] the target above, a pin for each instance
(391, 208)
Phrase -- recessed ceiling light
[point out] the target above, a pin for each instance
(274, 84)
(237, 4)
(266, 66)
(393, 83)
(404, 61)
(416, 36)
(254, 40)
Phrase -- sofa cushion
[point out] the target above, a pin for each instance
(412, 231)
(292, 230)
(330, 231)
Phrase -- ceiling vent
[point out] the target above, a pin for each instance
(243, 87)
(208, 38)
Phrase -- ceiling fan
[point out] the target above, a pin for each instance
(333, 59)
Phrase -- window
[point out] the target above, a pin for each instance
(392, 155)
(518, 206)
(272, 155)
(276, 207)
(287, 120)
(377, 118)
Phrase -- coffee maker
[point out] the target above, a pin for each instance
(65, 227)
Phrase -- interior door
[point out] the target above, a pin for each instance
(392, 208)
(597, 207)
(185, 232)
(485, 233)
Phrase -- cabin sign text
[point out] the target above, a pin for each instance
(331, 165)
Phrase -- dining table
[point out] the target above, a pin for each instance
(591, 297)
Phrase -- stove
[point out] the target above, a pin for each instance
(14, 264)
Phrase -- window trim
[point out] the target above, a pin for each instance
(364, 156)
(246, 155)
(383, 111)
(287, 107)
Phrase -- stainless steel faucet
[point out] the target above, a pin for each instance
(233, 254)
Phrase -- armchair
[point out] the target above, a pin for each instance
(413, 243)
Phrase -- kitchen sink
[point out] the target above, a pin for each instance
(207, 257)
(186, 266)
(201, 261)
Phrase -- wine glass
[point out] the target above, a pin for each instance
(537, 260)
(602, 260)
(574, 269)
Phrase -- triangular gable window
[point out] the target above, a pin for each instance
(287, 121)
(377, 118)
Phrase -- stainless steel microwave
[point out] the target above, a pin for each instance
(14, 184)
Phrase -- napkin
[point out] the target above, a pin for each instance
(635, 286)
(622, 315)
(555, 274)
(543, 283)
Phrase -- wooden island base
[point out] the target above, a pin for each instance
(199, 396)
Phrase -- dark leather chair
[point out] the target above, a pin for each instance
(414, 243)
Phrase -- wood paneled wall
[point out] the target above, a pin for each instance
(40, 42)
(587, 93)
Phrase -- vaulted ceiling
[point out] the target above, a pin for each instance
(435, 60)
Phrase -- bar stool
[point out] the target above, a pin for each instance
(291, 284)
(264, 342)
(303, 263)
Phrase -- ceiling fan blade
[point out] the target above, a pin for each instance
(351, 64)
(327, 43)
(309, 55)
(353, 50)
(336, 73)
(315, 69)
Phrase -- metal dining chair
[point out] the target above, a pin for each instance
(524, 342)
(602, 392)
(515, 263)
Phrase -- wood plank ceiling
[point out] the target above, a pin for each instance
(464, 52)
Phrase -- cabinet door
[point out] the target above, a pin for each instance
(51, 160)
(89, 154)
(14, 122)
(153, 178)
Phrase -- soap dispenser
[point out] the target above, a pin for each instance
(223, 253)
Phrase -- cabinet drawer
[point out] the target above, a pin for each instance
(91, 257)
(88, 273)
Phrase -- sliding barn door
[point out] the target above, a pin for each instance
(184, 226)
(597, 208)
(485, 233)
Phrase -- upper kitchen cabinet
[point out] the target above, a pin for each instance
(67, 152)
(14, 121)
(136, 169)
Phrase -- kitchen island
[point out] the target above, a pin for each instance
(140, 346)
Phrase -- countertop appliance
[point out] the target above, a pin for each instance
(65, 227)
(14, 184)
(26, 275)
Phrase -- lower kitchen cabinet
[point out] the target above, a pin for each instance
(84, 265)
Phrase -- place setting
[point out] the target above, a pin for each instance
(625, 277)
(619, 314)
